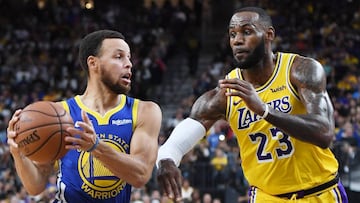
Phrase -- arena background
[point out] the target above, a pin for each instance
(179, 50)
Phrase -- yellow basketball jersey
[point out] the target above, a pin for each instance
(272, 160)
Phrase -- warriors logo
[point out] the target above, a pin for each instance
(98, 181)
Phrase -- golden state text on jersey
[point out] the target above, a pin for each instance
(83, 178)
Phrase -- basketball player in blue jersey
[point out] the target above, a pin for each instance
(278, 108)
(114, 143)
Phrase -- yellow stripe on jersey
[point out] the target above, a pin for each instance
(65, 106)
(135, 112)
(102, 120)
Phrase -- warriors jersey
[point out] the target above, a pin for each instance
(272, 160)
(83, 178)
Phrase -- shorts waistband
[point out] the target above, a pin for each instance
(302, 193)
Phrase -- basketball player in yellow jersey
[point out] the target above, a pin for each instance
(280, 112)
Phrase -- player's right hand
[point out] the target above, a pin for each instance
(11, 132)
(169, 179)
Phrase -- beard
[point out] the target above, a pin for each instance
(253, 58)
(115, 87)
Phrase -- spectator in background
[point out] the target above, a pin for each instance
(155, 196)
(219, 164)
(196, 196)
(186, 190)
(348, 132)
(207, 198)
(193, 46)
(216, 200)
(21, 196)
(136, 196)
(348, 153)
(174, 120)
(216, 135)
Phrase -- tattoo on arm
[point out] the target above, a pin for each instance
(311, 83)
(209, 107)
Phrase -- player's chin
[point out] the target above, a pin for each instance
(126, 89)
(120, 88)
(239, 57)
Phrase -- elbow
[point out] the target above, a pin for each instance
(325, 141)
(324, 145)
(141, 177)
(326, 135)
(140, 181)
(34, 191)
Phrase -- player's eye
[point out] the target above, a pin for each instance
(232, 34)
(247, 32)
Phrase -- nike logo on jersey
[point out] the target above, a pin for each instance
(236, 102)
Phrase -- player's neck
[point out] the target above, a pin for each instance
(265, 67)
(100, 102)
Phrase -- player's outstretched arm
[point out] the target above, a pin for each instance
(33, 176)
(206, 110)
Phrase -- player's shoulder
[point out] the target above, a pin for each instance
(149, 106)
(149, 112)
(307, 70)
(301, 61)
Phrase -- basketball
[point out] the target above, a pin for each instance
(41, 130)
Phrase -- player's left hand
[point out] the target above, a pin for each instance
(169, 179)
(83, 134)
(11, 133)
(245, 91)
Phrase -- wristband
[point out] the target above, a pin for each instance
(95, 145)
(266, 112)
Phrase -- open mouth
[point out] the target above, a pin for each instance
(127, 78)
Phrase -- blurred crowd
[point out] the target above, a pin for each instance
(38, 61)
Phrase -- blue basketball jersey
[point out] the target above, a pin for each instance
(83, 178)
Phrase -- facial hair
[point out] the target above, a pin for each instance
(114, 86)
(254, 58)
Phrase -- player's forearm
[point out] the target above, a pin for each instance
(134, 171)
(312, 128)
(33, 179)
(182, 139)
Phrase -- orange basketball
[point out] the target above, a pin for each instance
(41, 130)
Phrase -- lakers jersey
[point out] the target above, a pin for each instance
(272, 160)
(83, 178)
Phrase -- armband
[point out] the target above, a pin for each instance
(181, 140)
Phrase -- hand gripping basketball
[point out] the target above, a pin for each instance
(41, 131)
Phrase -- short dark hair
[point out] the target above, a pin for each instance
(90, 45)
(263, 15)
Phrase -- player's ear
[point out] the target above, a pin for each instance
(92, 62)
(270, 33)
